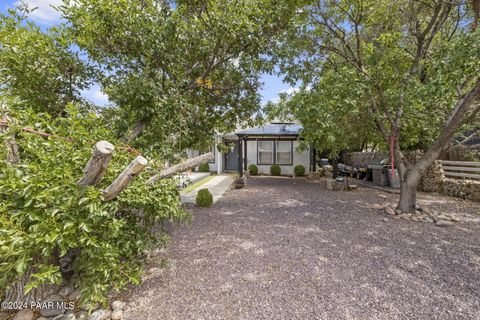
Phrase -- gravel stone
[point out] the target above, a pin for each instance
(338, 263)
(117, 315)
(24, 314)
(118, 305)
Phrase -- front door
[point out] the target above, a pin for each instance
(231, 157)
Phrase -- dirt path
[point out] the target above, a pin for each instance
(290, 249)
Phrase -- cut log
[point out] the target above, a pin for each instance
(13, 156)
(97, 165)
(181, 167)
(124, 179)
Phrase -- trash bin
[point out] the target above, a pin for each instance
(379, 174)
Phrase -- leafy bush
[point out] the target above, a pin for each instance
(204, 198)
(253, 169)
(204, 168)
(299, 170)
(275, 170)
(44, 213)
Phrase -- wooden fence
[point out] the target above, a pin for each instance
(461, 169)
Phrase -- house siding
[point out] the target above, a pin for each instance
(302, 158)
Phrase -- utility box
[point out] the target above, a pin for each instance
(379, 175)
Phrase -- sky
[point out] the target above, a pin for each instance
(45, 16)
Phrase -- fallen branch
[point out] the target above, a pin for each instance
(181, 167)
(124, 179)
(97, 165)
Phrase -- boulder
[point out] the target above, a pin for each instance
(57, 308)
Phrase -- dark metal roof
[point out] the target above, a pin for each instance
(273, 129)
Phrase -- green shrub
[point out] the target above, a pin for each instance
(275, 170)
(204, 198)
(253, 169)
(204, 168)
(43, 212)
(299, 170)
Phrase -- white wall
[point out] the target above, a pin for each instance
(302, 158)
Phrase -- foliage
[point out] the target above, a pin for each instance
(275, 170)
(39, 68)
(358, 64)
(195, 63)
(299, 170)
(44, 213)
(204, 167)
(204, 198)
(253, 169)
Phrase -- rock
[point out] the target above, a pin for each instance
(82, 315)
(59, 317)
(24, 314)
(385, 219)
(69, 316)
(443, 223)
(117, 315)
(455, 219)
(100, 314)
(56, 310)
(427, 219)
(398, 211)
(414, 218)
(389, 210)
(118, 305)
(427, 211)
(42, 318)
(75, 295)
(443, 217)
(65, 291)
(382, 196)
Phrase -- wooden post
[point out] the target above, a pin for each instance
(97, 165)
(245, 160)
(124, 179)
(240, 166)
(181, 167)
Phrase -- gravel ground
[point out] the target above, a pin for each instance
(291, 249)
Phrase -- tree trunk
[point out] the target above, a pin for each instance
(136, 131)
(408, 198)
(13, 156)
(183, 166)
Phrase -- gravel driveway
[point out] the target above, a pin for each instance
(291, 249)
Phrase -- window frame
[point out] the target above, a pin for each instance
(258, 152)
(274, 151)
(290, 162)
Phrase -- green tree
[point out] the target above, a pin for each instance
(407, 70)
(179, 70)
(39, 68)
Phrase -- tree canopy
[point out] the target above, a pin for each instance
(179, 71)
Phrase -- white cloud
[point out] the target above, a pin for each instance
(290, 91)
(96, 95)
(44, 13)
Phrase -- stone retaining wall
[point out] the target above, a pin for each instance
(466, 189)
(433, 179)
